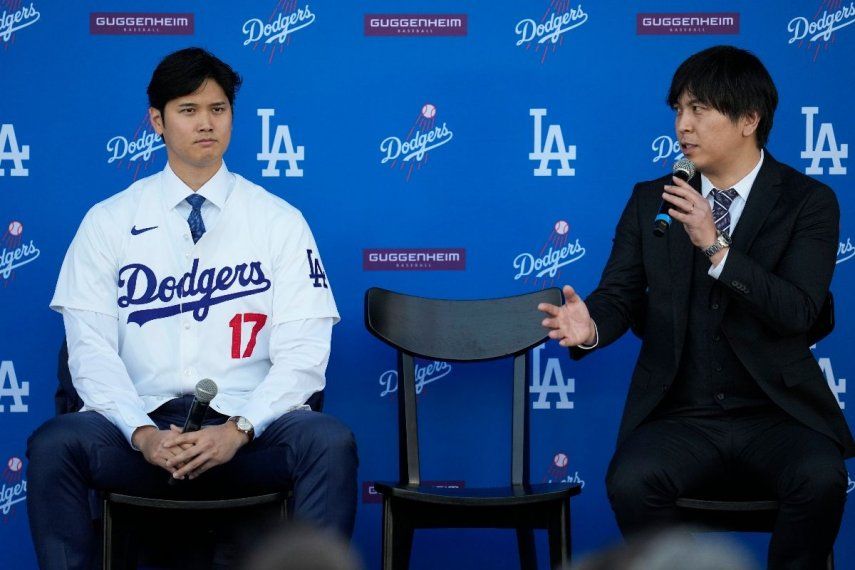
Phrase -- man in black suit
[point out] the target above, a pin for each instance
(725, 394)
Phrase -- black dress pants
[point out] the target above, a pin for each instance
(763, 450)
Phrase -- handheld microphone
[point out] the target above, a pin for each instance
(205, 391)
(684, 169)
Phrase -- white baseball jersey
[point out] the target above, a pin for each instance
(189, 311)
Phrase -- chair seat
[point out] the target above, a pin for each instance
(195, 505)
(481, 496)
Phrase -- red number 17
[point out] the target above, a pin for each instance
(257, 320)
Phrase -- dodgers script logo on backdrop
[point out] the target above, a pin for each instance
(698, 23)
(140, 24)
(549, 380)
(13, 488)
(425, 374)
(275, 32)
(16, 252)
(845, 250)
(558, 471)
(824, 146)
(196, 291)
(549, 30)
(553, 148)
(272, 154)
(11, 151)
(136, 152)
(423, 136)
(837, 385)
(415, 24)
(10, 387)
(851, 485)
(15, 17)
(544, 267)
(665, 148)
(414, 259)
(817, 31)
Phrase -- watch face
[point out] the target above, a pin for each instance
(243, 424)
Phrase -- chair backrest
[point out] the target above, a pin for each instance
(465, 331)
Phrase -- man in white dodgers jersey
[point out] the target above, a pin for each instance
(191, 273)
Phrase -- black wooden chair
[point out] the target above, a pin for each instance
(466, 331)
(127, 518)
(733, 516)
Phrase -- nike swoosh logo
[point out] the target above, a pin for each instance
(136, 232)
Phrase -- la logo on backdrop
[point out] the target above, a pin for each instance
(281, 149)
(411, 152)
(136, 153)
(14, 16)
(822, 145)
(274, 33)
(816, 32)
(12, 153)
(546, 34)
(16, 252)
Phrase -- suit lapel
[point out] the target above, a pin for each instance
(764, 195)
(680, 251)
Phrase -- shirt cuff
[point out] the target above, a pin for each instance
(715, 270)
(596, 339)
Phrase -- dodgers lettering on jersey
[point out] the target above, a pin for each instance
(142, 287)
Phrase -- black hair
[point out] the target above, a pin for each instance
(183, 72)
(732, 81)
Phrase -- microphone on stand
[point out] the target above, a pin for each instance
(205, 391)
(684, 169)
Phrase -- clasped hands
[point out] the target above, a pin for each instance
(188, 455)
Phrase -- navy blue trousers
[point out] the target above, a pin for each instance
(312, 453)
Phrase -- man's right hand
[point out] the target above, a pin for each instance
(150, 441)
(570, 324)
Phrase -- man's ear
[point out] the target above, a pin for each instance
(750, 122)
(156, 119)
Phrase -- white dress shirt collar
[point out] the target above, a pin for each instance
(743, 187)
(216, 190)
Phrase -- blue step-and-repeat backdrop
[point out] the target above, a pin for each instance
(442, 148)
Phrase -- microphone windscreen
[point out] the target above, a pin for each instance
(206, 389)
(684, 169)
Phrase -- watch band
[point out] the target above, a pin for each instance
(721, 242)
(243, 425)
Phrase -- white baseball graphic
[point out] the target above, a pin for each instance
(561, 227)
(560, 460)
(15, 464)
(428, 111)
(15, 228)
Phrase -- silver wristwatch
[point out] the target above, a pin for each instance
(722, 241)
(243, 425)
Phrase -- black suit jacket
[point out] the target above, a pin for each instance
(769, 294)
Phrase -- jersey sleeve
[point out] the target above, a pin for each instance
(89, 273)
(301, 287)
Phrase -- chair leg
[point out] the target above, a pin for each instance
(528, 554)
(397, 539)
(559, 536)
(107, 536)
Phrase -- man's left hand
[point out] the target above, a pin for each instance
(692, 210)
(209, 447)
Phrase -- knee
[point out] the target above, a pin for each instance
(630, 481)
(331, 437)
(52, 439)
(819, 485)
